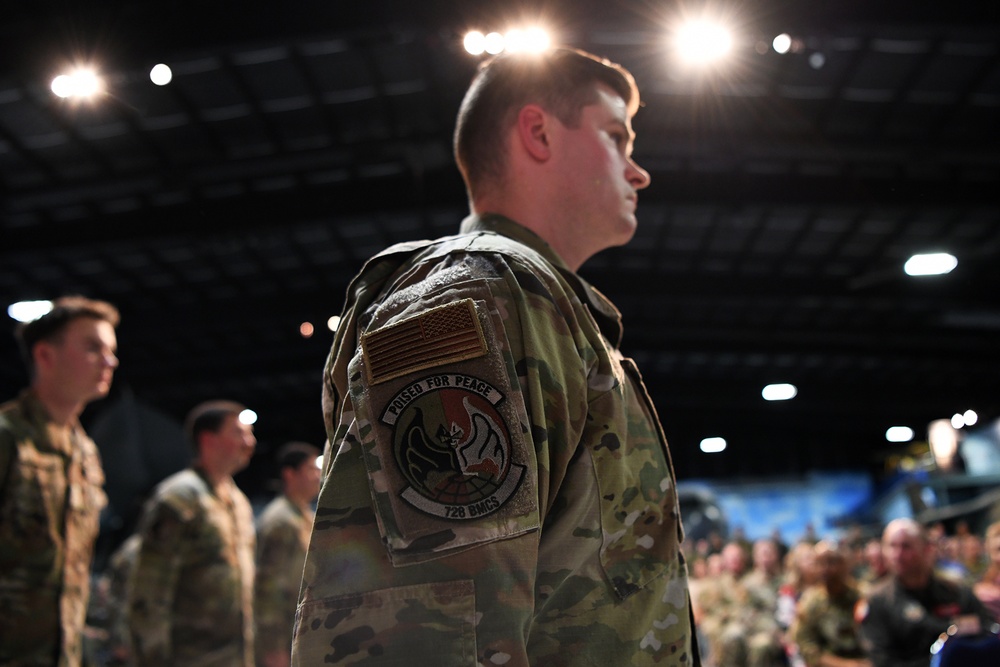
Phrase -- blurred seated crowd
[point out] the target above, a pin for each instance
(830, 603)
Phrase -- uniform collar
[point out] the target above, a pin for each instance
(608, 318)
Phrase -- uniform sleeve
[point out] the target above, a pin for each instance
(804, 632)
(875, 632)
(153, 585)
(408, 561)
(277, 586)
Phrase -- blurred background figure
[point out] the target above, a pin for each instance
(987, 589)
(191, 590)
(282, 539)
(825, 633)
(52, 483)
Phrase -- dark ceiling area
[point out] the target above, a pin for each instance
(296, 139)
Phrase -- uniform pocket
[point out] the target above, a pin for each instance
(393, 626)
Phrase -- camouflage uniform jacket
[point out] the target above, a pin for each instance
(282, 539)
(498, 489)
(191, 591)
(51, 496)
(825, 625)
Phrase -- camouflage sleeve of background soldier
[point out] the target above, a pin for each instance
(153, 584)
(277, 585)
(804, 631)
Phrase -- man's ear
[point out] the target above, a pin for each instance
(43, 355)
(533, 127)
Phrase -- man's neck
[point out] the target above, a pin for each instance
(914, 582)
(304, 504)
(62, 411)
(216, 477)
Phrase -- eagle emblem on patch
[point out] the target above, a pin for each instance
(452, 446)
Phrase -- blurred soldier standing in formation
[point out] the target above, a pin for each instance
(282, 539)
(191, 591)
(499, 490)
(52, 483)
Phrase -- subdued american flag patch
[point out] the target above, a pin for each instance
(439, 336)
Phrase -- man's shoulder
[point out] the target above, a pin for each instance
(14, 418)
(513, 253)
(181, 490)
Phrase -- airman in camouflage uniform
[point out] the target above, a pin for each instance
(52, 484)
(824, 624)
(191, 591)
(282, 539)
(498, 488)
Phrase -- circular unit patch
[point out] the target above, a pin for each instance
(452, 446)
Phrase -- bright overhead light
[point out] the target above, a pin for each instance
(494, 43)
(782, 43)
(970, 417)
(713, 445)
(703, 42)
(27, 311)
(333, 323)
(248, 416)
(474, 42)
(930, 264)
(533, 40)
(82, 83)
(161, 74)
(899, 434)
(779, 392)
(306, 329)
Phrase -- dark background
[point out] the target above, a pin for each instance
(298, 138)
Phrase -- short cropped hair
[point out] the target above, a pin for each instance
(51, 325)
(209, 416)
(294, 454)
(562, 81)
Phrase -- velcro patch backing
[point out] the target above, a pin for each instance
(439, 336)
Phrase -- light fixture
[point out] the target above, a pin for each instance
(516, 40)
(713, 445)
(899, 434)
(333, 323)
(779, 392)
(82, 83)
(161, 74)
(306, 329)
(702, 42)
(930, 264)
(782, 43)
(970, 417)
(248, 417)
(26, 311)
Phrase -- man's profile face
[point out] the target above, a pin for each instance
(235, 442)
(81, 360)
(306, 478)
(599, 180)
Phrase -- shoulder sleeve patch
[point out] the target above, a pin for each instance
(442, 428)
(436, 337)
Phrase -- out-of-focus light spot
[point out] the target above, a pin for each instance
(161, 74)
(957, 420)
(899, 434)
(319, 461)
(779, 392)
(333, 323)
(533, 40)
(27, 311)
(703, 42)
(82, 83)
(713, 445)
(248, 416)
(970, 417)
(782, 43)
(474, 42)
(817, 60)
(930, 264)
(306, 329)
(494, 43)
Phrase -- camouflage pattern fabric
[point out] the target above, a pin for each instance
(117, 575)
(825, 624)
(51, 497)
(282, 539)
(191, 592)
(498, 490)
